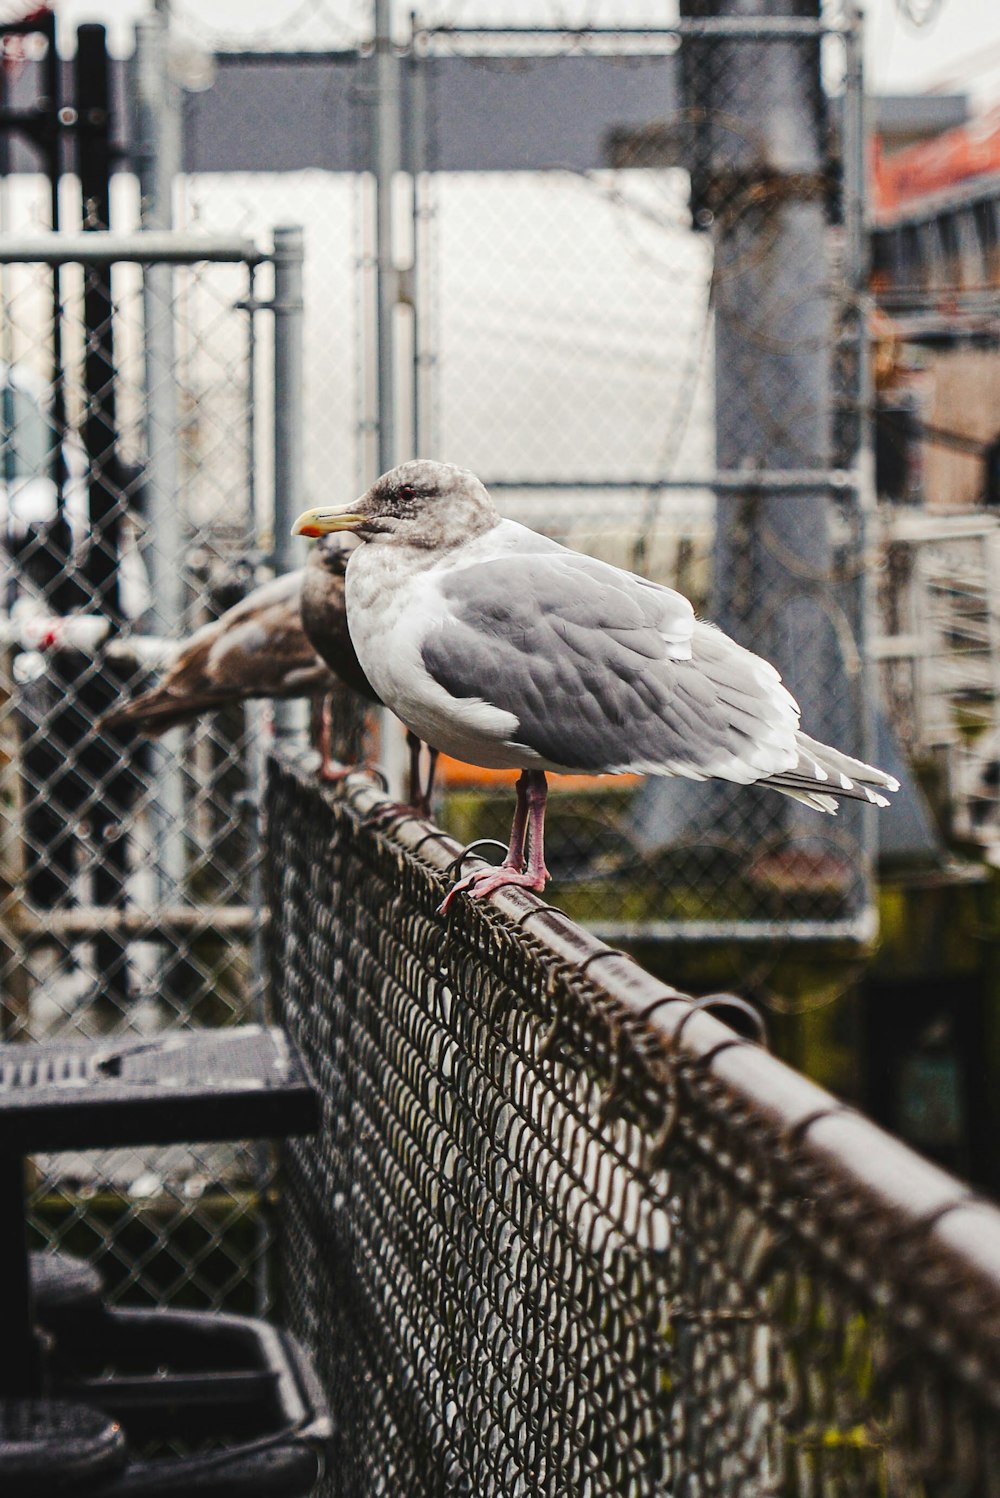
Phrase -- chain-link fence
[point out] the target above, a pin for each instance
(939, 653)
(133, 509)
(660, 360)
(616, 267)
(649, 344)
(562, 1233)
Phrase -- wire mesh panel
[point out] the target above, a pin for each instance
(659, 360)
(938, 588)
(131, 517)
(617, 270)
(561, 1233)
(334, 211)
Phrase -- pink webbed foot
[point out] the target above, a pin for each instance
(483, 882)
(529, 811)
(331, 771)
(419, 804)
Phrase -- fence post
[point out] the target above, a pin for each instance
(157, 157)
(772, 262)
(758, 163)
(857, 254)
(289, 425)
(107, 760)
(387, 155)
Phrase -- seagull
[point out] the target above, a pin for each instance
(324, 620)
(262, 648)
(257, 648)
(505, 649)
(288, 638)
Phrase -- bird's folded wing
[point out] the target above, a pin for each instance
(606, 672)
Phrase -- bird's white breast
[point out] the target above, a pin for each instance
(393, 601)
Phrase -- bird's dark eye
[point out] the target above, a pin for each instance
(406, 491)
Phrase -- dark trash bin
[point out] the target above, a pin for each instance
(49, 1446)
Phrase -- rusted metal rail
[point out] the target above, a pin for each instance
(566, 1232)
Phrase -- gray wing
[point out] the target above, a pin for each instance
(255, 649)
(606, 672)
(266, 653)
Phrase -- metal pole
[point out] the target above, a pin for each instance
(97, 247)
(773, 336)
(289, 424)
(388, 159)
(93, 87)
(253, 504)
(157, 158)
(105, 761)
(856, 258)
(415, 131)
(53, 86)
(758, 173)
(388, 163)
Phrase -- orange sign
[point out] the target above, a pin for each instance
(933, 166)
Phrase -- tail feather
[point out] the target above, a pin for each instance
(824, 775)
(814, 799)
(157, 711)
(835, 761)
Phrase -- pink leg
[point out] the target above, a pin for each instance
(330, 770)
(419, 803)
(424, 800)
(538, 793)
(529, 818)
(414, 795)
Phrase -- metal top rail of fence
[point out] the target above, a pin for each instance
(564, 1232)
(144, 247)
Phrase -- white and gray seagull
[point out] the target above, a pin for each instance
(500, 647)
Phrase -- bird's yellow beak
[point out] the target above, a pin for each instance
(322, 521)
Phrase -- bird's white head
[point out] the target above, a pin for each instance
(424, 504)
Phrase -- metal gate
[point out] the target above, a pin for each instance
(134, 511)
